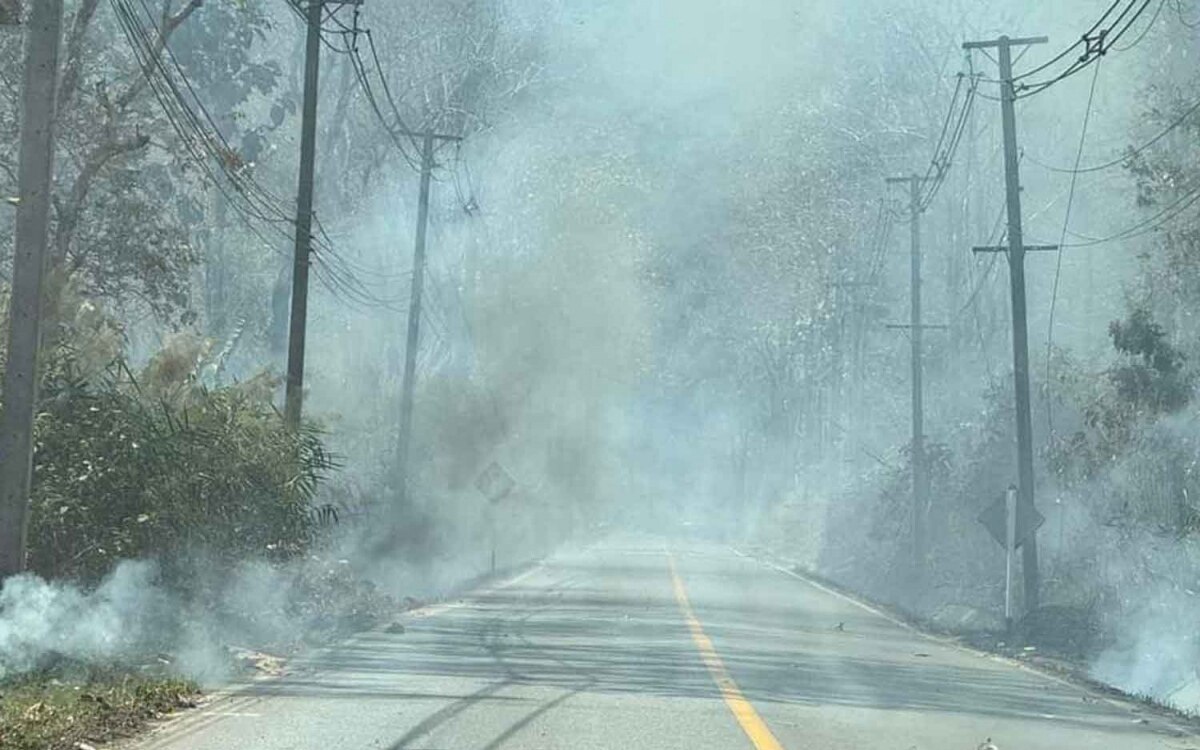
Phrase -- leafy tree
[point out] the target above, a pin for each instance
(1151, 379)
(127, 192)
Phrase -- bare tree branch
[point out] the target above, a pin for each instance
(9, 170)
(73, 68)
(69, 208)
(170, 22)
(69, 212)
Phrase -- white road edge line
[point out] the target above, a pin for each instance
(956, 645)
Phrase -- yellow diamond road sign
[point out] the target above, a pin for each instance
(995, 519)
(494, 483)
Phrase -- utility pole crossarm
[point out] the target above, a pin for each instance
(1015, 42)
(1004, 248)
(426, 134)
(923, 326)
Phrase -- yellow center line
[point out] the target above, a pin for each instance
(749, 720)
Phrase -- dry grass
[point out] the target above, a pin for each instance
(40, 713)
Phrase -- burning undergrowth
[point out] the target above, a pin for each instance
(202, 629)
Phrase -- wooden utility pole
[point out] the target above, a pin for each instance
(1016, 264)
(298, 319)
(34, 182)
(413, 341)
(915, 328)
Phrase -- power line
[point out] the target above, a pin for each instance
(342, 283)
(992, 240)
(949, 116)
(203, 141)
(940, 164)
(1145, 31)
(1130, 153)
(387, 90)
(195, 142)
(1087, 114)
(883, 236)
(329, 15)
(349, 46)
(467, 200)
(342, 276)
(1100, 42)
(953, 127)
(1083, 39)
(1097, 44)
(1145, 226)
(1179, 12)
(995, 236)
(363, 77)
(336, 279)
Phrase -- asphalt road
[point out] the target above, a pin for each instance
(644, 644)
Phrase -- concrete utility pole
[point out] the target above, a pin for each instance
(1016, 264)
(34, 182)
(298, 319)
(413, 341)
(920, 472)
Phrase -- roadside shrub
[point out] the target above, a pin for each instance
(158, 466)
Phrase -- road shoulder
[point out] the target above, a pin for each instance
(1057, 670)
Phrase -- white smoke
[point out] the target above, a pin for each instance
(41, 620)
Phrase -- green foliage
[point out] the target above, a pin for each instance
(158, 466)
(1114, 415)
(131, 250)
(217, 49)
(1152, 379)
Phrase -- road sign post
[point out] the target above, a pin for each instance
(1011, 523)
(1010, 501)
(495, 484)
(491, 513)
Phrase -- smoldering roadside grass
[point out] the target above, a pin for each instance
(111, 690)
(79, 708)
(73, 702)
(81, 667)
